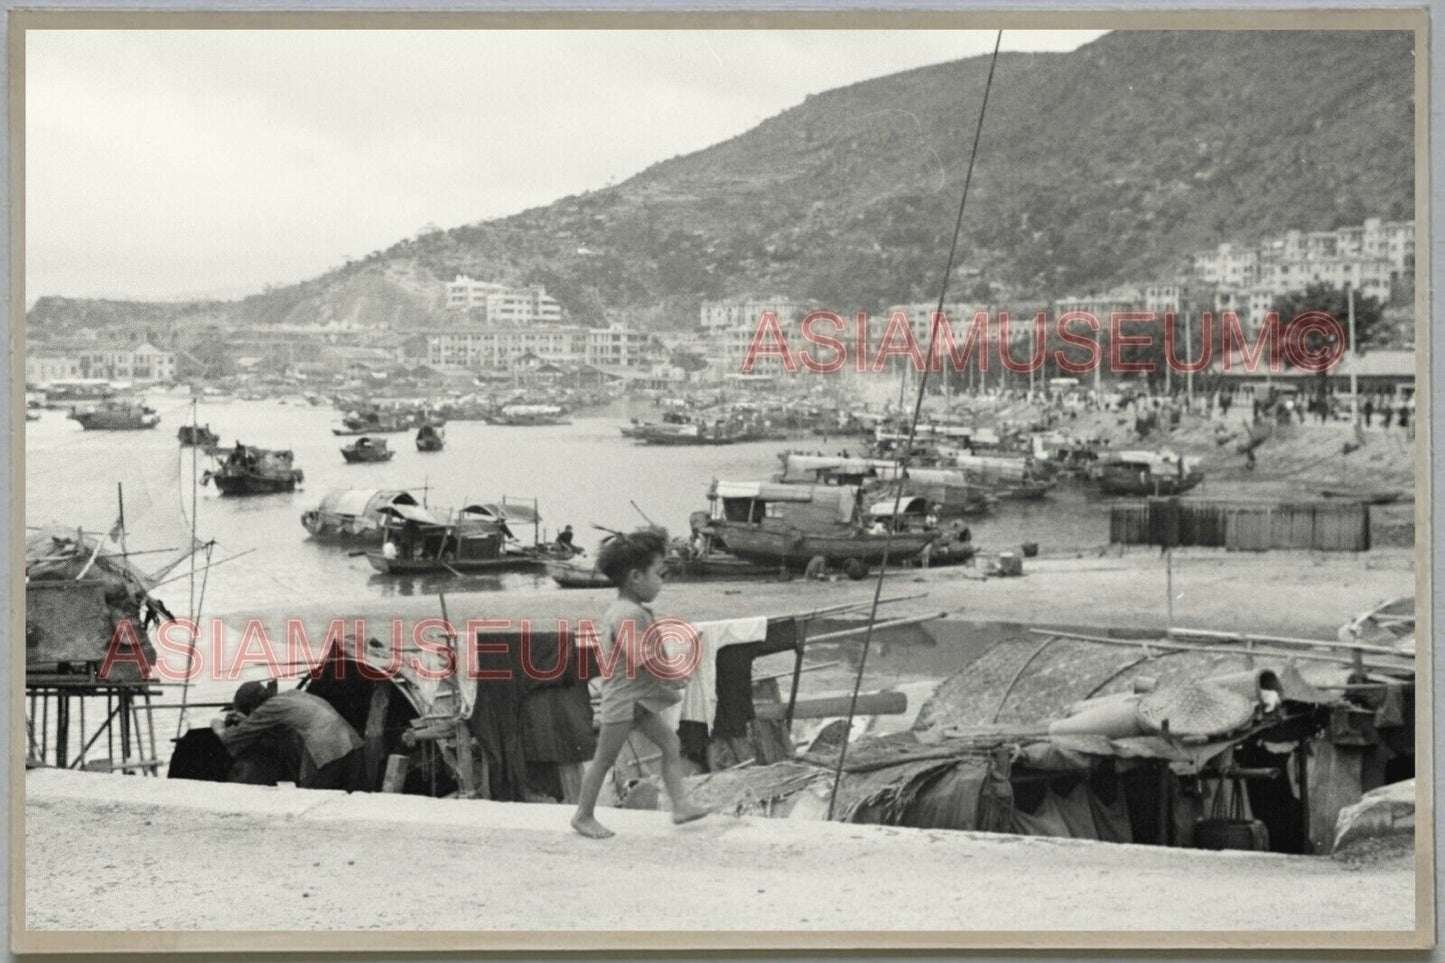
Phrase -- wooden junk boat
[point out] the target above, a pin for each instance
(352, 514)
(372, 423)
(430, 437)
(255, 471)
(367, 449)
(1145, 473)
(197, 436)
(775, 524)
(713, 566)
(117, 416)
(950, 492)
(531, 415)
(473, 541)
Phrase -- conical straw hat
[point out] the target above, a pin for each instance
(1194, 709)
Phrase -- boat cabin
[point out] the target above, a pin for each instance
(770, 504)
(414, 533)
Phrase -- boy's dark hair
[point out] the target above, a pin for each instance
(621, 554)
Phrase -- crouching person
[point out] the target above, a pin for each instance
(293, 732)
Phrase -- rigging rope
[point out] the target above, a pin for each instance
(912, 430)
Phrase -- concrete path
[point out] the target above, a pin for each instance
(106, 853)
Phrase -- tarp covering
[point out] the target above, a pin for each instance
(362, 501)
(766, 491)
(1032, 678)
(79, 589)
(411, 513)
(1079, 814)
(909, 504)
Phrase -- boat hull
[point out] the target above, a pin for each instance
(1144, 484)
(255, 484)
(434, 566)
(794, 547)
(101, 421)
(715, 568)
(325, 527)
(362, 457)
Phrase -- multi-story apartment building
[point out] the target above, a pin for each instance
(616, 345)
(115, 362)
(42, 365)
(1376, 258)
(500, 304)
(745, 312)
(496, 346)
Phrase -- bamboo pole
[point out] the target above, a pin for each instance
(1287, 640)
(1223, 649)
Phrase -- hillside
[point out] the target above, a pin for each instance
(1110, 162)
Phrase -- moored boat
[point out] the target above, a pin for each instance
(197, 436)
(367, 449)
(372, 423)
(352, 515)
(117, 416)
(1145, 473)
(430, 438)
(790, 525)
(690, 434)
(255, 471)
(530, 415)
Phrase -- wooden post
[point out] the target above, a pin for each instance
(395, 777)
(1169, 580)
(372, 739)
(797, 676)
(62, 728)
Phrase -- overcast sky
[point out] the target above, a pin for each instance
(177, 164)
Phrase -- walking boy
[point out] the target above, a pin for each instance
(634, 564)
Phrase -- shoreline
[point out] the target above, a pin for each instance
(1307, 594)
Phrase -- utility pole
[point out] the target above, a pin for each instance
(1354, 365)
(1189, 372)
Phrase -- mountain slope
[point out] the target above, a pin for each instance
(1111, 162)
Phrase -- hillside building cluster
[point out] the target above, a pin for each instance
(1376, 259)
(493, 328)
(138, 363)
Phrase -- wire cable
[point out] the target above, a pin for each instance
(912, 430)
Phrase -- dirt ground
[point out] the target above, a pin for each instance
(111, 853)
(1302, 594)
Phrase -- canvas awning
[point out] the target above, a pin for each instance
(411, 513)
(913, 505)
(764, 491)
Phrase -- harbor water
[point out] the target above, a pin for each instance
(584, 474)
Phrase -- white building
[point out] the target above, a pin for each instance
(500, 346)
(734, 313)
(616, 345)
(500, 304)
(142, 362)
(43, 365)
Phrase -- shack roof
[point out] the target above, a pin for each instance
(1030, 679)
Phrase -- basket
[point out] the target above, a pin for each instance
(1232, 831)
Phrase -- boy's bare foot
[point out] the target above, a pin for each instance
(589, 826)
(688, 814)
